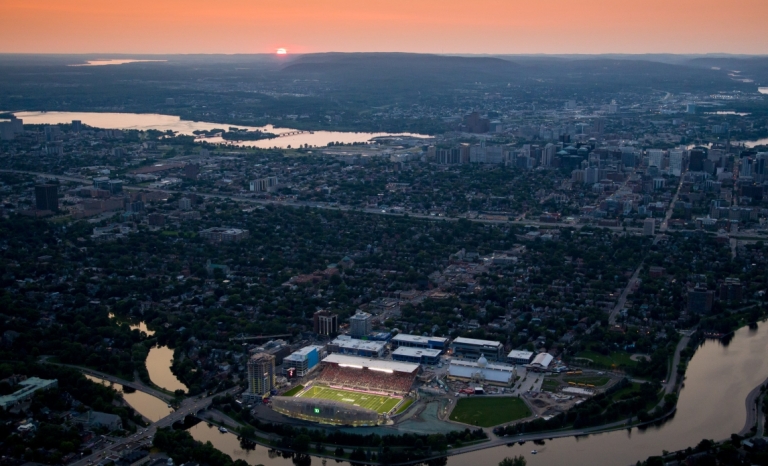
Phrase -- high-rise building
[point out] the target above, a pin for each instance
(649, 226)
(591, 175)
(191, 170)
(264, 184)
(185, 203)
(47, 197)
(628, 156)
(261, 376)
(700, 300)
(676, 162)
(697, 157)
(655, 157)
(325, 323)
(477, 124)
(548, 155)
(360, 324)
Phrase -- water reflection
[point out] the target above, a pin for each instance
(106, 62)
(141, 326)
(148, 406)
(159, 363)
(147, 121)
(711, 405)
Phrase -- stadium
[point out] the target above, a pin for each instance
(351, 391)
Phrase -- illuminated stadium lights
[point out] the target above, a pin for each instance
(388, 371)
(351, 365)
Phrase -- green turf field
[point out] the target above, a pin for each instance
(489, 411)
(378, 403)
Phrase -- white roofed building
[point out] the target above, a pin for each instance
(471, 348)
(482, 371)
(541, 362)
(519, 357)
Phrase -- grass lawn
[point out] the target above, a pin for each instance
(489, 411)
(294, 390)
(618, 358)
(597, 381)
(378, 403)
(405, 405)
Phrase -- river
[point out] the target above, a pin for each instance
(146, 121)
(159, 363)
(147, 405)
(711, 406)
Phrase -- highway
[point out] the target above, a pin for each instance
(327, 206)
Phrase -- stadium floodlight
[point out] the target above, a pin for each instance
(351, 365)
(388, 371)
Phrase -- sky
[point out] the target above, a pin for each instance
(432, 26)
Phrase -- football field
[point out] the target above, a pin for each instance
(378, 403)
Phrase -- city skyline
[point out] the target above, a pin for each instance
(490, 27)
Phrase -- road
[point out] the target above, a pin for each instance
(656, 238)
(327, 206)
(190, 406)
(753, 404)
(136, 385)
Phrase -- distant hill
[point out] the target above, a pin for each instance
(416, 68)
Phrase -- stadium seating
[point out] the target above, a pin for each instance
(397, 383)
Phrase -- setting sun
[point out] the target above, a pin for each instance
(282, 51)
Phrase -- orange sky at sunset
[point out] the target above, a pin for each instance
(440, 26)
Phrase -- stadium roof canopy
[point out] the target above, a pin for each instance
(374, 364)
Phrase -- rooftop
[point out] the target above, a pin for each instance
(473, 341)
(358, 362)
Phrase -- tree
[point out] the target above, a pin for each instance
(516, 461)
(301, 443)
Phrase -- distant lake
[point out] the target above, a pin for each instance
(146, 121)
(106, 62)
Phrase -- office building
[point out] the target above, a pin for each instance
(676, 162)
(628, 156)
(360, 324)
(47, 197)
(649, 226)
(655, 157)
(345, 344)
(185, 203)
(191, 170)
(591, 175)
(403, 340)
(261, 376)
(325, 323)
(519, 357)
(113, 186)
(417, 355)
(302, 362)
(476, 124)
(471, 348)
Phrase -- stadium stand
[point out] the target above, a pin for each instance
(363, 376)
